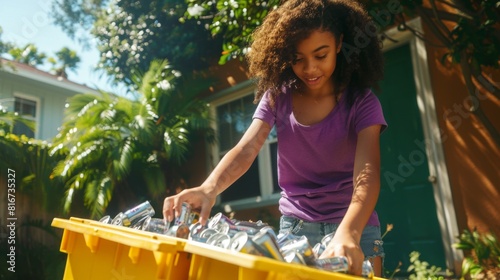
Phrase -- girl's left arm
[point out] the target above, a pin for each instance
(366, 188)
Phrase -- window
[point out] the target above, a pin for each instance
(25, 107)
(260, 182)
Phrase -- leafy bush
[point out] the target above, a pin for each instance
(483, 261)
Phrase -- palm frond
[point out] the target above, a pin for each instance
(122, 158)
(97, 195)
(9, 119)
(68, 198)
(176, 143)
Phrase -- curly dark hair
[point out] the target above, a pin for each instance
(359, 64)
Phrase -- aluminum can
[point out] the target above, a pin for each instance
(241, 242)
(284, 238)
(134, 215)
(266, 240)
(251, 228)
(326, 239)
(195, 232)
(293, 257)
(318, 249)
(180, 231)
(185, 215)
(194, 217)
(258, 224)
(105, 220)
(220, 240)
(335, 264)
(223, 224)
(367, 270)
(206, 233)
(155, 225)
(301, 247)
(233, 229)
(220, 223)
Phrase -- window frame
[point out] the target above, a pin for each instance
(36, 119)
(266, 197)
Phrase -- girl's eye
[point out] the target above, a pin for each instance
(321, 56)
(297, 60)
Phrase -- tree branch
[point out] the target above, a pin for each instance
(432, 25)
(476, 109)
(445, 15)
(403, 26)
(458, 6)
(439, 23)
(486, 83)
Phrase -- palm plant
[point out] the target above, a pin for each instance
(28, 54)
(113, 141)
(65, 60)
(30, 160)
(9, 143)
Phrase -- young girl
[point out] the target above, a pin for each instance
(313, 76)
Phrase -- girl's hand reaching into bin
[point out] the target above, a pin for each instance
(202, 198)
(346, 245)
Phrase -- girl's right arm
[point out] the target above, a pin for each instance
(231, 167)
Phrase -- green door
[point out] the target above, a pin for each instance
(406, 197)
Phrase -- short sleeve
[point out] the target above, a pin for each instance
(368, 112)
(264, 111)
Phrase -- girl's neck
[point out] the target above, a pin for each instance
(327, 90)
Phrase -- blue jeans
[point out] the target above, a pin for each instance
(371, 240)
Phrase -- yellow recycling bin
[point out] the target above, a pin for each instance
(101, 251)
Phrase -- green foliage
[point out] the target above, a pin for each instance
(30, 160)
(477, 34)
(484, 254)
(111, 140)
(28, 55)
(236, 20)
(71, 15)
(66, 59)
(9, 119)
(420, 270)
(131, 34)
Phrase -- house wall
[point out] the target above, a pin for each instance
(226, 76)
(472, 158)
(52, 100)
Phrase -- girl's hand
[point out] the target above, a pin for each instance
(346, 245)
(199, 198)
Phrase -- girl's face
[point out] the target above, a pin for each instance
(315, 61)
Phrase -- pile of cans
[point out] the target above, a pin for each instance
(256, 238)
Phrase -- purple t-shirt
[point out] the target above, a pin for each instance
(316, 162)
